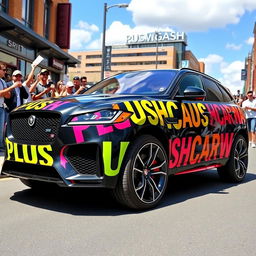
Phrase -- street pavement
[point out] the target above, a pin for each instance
(199, 216)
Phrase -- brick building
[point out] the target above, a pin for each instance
(249, 72)
(29, 28)
(164, 50)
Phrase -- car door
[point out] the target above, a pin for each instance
(191, 146)
(224, 117)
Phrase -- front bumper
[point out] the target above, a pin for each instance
(73, 156)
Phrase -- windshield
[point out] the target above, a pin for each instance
(141, 82)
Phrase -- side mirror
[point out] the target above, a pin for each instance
(193, 93)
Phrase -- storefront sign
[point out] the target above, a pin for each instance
(14, 45)
(55, 63)
(157, 37)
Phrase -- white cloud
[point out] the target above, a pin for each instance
(250, 40)
(229, 74)
(79, 38)
(197, 15)
(212, 62)
(81, 35)
(86, 26)
(233, 46)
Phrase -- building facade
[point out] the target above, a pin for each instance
(29, 28)
(161, 50)
(249, 71)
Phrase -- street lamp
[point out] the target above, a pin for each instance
(157, 34)
(106, 8)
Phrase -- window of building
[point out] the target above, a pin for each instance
(129, 63)
(4, 5)
(79, 57)
(47, 9)
(93, 56)
(27, 13)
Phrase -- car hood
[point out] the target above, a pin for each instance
(78, 104)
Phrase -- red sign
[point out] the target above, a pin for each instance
(63, 25)
(56, 63)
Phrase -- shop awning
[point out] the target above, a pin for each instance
(10, 27)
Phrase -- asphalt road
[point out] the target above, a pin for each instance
(198, 216)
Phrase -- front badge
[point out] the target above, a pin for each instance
(31, 120)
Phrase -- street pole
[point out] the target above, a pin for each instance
(106, 7)
(156, 48)
(103, 41)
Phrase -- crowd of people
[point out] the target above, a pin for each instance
(17, 90)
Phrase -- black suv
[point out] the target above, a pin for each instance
(128, 133)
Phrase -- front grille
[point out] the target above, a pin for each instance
(43, 131)
(84, 158)
(31, 171)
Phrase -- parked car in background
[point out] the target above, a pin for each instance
(129, 133)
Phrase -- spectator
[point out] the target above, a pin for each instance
(59, 89)
(84, 86)
(69, 88)
(5, 93)
(76, 82)
(18, 94)
(43, 88)
(29, 81)
(250, 110)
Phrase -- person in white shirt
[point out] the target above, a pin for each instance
(249, 106)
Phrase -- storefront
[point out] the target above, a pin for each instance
(19, 46)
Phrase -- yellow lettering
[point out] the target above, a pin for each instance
(16, 154)
(141, 119)
(202, 108)
(161, 111)
(186, 116)
(9, 148)
(153, 119)
(34, 158)
(42, 151)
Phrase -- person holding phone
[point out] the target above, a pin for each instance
(44, 87)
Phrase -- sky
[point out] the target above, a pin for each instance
(219, 32)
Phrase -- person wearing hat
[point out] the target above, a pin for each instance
(18, 94)
(69, 88)
(83, 87)
(5, 93)
(43, 89)
(76, 82)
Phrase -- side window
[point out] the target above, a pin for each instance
(213, 92)
(227, 97)
(189, 80)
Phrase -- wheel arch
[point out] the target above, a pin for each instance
(156, 132)
(244, 133)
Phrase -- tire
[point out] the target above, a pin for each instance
(37, 185)
(143, 181)
(236, 167)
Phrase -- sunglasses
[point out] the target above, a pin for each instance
(4, 69)
(45, 74)
(18, 76)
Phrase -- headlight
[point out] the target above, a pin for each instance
(101, 117)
